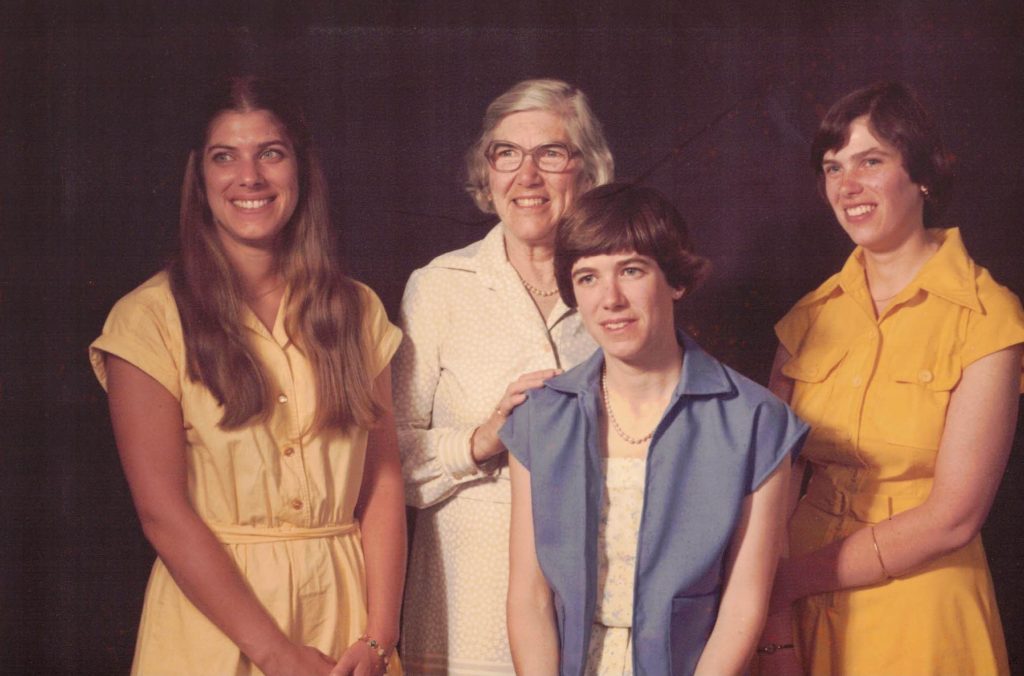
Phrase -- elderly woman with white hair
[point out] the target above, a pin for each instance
(483, 325)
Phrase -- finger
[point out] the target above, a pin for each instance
(513, 400)
(343, 667)
(523, 385)
(542, 374)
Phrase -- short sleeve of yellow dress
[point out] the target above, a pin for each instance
(279, 497)
(875, 391)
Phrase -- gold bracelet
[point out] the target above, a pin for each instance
(878, 553)
(378, 649)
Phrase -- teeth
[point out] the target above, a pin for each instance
(251, 204)
(860, 210)
(615, 325)
(530, 201)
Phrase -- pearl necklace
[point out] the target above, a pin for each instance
(636, 441)
(538, 292)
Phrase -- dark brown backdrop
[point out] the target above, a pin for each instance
(92, 101)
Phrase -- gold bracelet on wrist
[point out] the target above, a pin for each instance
(379, 650)
(878, 553)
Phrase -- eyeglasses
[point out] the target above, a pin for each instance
(506, 156)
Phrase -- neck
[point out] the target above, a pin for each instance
(257, 270)
(535, 263)
(889, 271)
(654, 380)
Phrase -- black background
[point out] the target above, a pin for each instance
(92, 107)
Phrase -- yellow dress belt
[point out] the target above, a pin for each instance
(865, 507)
(234, 534)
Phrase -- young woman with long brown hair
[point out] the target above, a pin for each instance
(250, 396)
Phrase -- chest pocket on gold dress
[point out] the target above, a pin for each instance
(912, 393)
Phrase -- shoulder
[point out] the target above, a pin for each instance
(774, 430)
(794, 325)
(996, 300)
(451, 278)
(466, 259)
(371, 301)
(752, 396)
(813, 300)
(153, 298)
(440, 274)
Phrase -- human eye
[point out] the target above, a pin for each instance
(503, 150)
(633, 271)
(273, 154)
(583, 279)
(830, 168)
(554, 151)
(220, 157)
(872, 161)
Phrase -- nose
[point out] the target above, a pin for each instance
(250, 173)
(611, 296)
(528, 173)
(849, 183)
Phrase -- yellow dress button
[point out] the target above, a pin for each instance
(925, 376)
(857, 381)
(282, 398)
(296, 504)
(288, 451)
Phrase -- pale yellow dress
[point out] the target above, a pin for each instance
(610, 652)
(280, 499)
(875, 391)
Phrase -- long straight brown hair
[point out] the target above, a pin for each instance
(324, 312)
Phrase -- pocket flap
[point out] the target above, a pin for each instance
(942, 375)
(814, 363)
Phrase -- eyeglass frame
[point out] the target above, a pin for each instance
(532, 152)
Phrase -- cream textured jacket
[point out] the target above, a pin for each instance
(471, 329)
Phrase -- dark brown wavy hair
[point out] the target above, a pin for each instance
(324, 312)
(896, 116)
(623, 217)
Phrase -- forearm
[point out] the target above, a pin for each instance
(436, 463)
(872, 554)
(753, 555)
(733, 639)
(384, 550)
(532, 635)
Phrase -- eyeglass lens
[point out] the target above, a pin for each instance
(547, 157)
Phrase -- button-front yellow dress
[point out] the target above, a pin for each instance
(281, 500)
(875, 391)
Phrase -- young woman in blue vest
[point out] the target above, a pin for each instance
(649, 482)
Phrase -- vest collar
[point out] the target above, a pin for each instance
(700, 375)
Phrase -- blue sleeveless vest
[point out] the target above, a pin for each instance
(720, 437)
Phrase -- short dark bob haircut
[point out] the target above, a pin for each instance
(897, 117)
(622, 218)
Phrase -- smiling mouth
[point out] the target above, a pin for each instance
(529, 201)
(616, 325)
(860, 210)
(252, 204)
